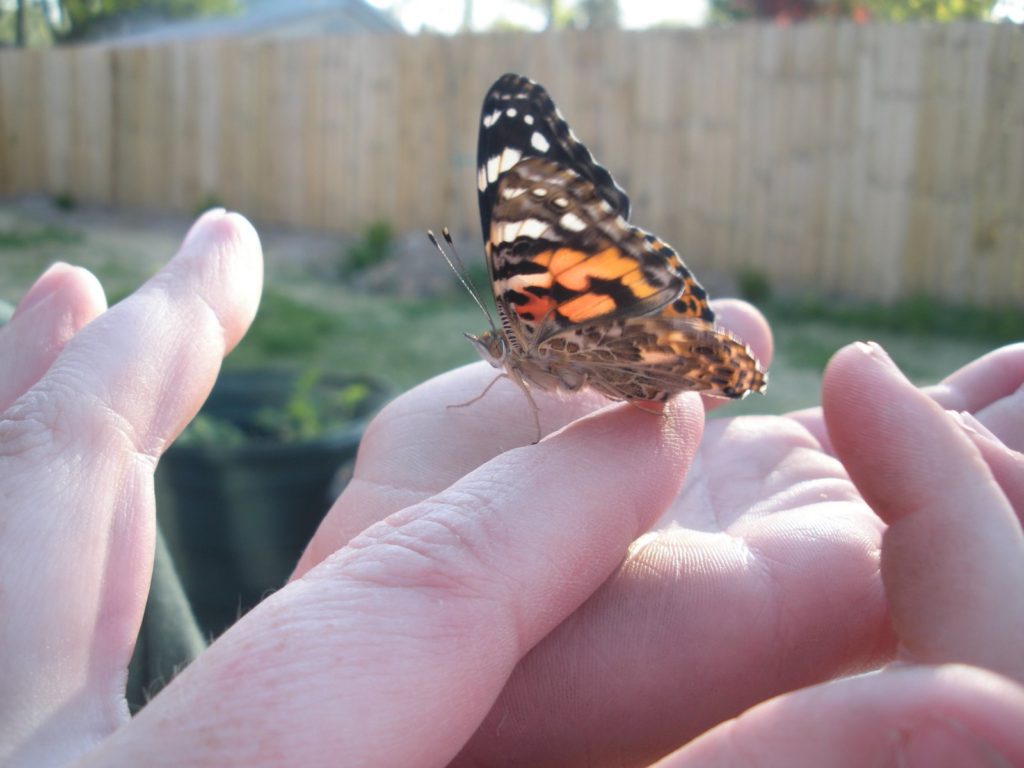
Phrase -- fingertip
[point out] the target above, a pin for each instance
(199, 226)
(230, 248)
(77, 288)
(619, 434)
(85, 295)
(860, 375)
(61, 302)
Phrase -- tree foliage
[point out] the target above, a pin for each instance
(84, 17)
(940, 10)
(858, 10)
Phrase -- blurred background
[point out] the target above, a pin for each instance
(853, 167)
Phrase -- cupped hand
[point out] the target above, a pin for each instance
(762, 575)
(949, 484)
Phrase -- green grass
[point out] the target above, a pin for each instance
(22, 238)
(916, 316)
(402, 341)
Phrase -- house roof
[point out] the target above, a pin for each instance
(255, 18)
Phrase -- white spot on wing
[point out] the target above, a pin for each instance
(572, 222)
(511, 192)
(492, 169)
(492, 118)
(518, 282)
(511, 112)
(538, 142)
(560, 202)
(481, 178)
(528, 119)
(509, 157)
(508, 231)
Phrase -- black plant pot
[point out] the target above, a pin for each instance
(237, 517)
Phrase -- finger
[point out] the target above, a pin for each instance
(954, 549)
(745, 322)
(992, 388)
(1005, 420)
(405, 637)
(1007, 465)
(77, 454)
(813, 420)
(60, 303)
(983, 381)
(426, 439)
(917, 717)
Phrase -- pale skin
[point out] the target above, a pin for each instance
(491, 616)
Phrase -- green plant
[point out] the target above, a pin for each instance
(285, 327)
(373, 248)
(209, 430)
(65, 200)
(208, 201)
(753, 285)
(311, 412)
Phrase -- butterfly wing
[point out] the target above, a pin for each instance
(654, 358)
(518, 120)
(560, 257)
(582, 295)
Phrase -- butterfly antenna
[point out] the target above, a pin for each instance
(459, 268)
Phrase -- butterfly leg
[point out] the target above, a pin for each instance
(658, 408)
(533, 406)
(479, 397)
(526, 391)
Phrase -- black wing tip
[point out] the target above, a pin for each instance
(513, 83)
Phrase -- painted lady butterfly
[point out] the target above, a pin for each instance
(583, 297)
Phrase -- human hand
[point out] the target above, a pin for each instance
(682, 636)
(950, 486)
(770, 584)
(89, 399)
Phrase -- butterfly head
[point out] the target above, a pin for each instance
(491, 346)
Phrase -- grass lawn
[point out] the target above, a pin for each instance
(308, 320)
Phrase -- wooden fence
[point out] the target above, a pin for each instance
(869, 161)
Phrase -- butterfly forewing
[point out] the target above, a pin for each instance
(518, 120)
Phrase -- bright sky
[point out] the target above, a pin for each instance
(446, 15)
(1011, 10)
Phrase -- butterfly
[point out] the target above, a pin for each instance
(583, 297)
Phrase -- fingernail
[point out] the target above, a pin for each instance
(876, 351)
(42, 288)
(196, 230)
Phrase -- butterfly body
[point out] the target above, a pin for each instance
(584, 298)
